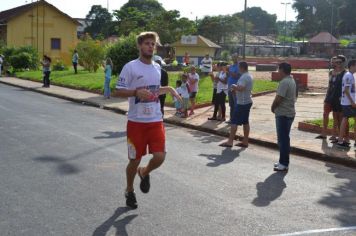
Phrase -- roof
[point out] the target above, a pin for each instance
(5, 16)
(324, 37)
(199, 42)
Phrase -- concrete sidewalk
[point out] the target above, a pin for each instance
(261, 120)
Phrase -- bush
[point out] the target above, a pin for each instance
(225, 55)
(59, 66)
(91, 54)
(20, 58)
(122, 52)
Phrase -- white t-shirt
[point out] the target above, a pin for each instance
(183, 90)
(192, 77)
(206, 65)
(221, 86)
(136, 75)
(348, 81)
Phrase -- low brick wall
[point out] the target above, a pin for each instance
(301, 78)
(295, 63)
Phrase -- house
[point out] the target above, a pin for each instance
(196, 46)
(41, 25)
(323, 44)
(83, 24)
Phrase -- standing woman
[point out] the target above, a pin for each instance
(108, 71)
(46, 64)
(75, 59)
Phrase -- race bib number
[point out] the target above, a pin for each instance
(146, 110)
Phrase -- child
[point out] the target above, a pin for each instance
(108, 69)
(184, 93)
(177, 104)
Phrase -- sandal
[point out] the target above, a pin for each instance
(225, 145)
(241, 145)
(212, 118)
(320, 137)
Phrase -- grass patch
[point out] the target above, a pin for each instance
(95, 82)
(319, 122)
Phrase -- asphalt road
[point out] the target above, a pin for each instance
(62, 173)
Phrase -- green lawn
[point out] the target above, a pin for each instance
(319, 122)
(95, 82)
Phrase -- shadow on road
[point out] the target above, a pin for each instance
(203, 137)
(63, 167)
(111, 134)
(119, 225)
(227, 156)
(342, 198)
(270, 190)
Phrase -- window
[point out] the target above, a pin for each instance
(55, 43)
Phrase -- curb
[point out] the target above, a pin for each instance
(269, 144)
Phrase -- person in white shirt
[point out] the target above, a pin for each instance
(347, 102)
(139, 81)
(206, 64)
(193, 82)
(221, 92)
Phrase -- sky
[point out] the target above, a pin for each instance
(188, 8)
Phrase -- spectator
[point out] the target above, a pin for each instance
(46, 64)
(348, 103)
(283, 107)
(108, 72)
(206, 65)
(332, 98)
(193, 82)
(1, 62)
(164, 82)
(184, 93)
(221, 92)
(186, 60)
(233, 76)
(75, 59)
(243, 90)
(177, 103)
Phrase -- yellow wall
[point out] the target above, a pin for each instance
(22, 30)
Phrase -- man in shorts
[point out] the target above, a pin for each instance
(243, 91)
(347, 102)
(139, 81)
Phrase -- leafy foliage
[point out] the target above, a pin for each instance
(20, 58)
(263, 23)
(100, 22)
(91, 54)
(122, 52)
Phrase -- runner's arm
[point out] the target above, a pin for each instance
(172, 91)
(140, 93)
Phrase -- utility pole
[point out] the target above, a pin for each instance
(285, 26)
(244, 34)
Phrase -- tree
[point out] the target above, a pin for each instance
(149, 15)
(220, 28)
(263, 23)
(346, 24)
(315, 16)
(99, 21)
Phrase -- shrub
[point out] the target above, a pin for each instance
(122, 52)
(20, 58)
(91, 54)
(59, 66)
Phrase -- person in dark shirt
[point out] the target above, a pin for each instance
(164, 82)
(332, 102)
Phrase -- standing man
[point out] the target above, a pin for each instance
(193, 82)
(243, 90)
(139, 81)
(283, 107)
(206, 65)
(348, 103)
(75, 59)
(164, 82)
(234, 75)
